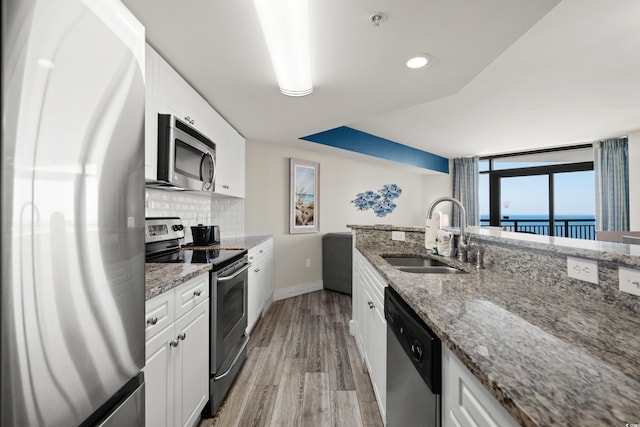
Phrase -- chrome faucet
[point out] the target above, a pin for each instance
(463, 240)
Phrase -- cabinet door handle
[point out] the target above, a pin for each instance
(256, 270)
(174, 343)
(371, 305)
(226, 187)
(182, 336)
(152, 320)
(197, 293)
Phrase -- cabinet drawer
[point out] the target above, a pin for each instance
(159, 313)
(191, 293)
(258, 252)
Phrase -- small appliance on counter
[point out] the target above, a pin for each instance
(205, 235)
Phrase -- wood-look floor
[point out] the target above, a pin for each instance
(303, 369)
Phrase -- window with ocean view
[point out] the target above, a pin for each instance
(544, 192)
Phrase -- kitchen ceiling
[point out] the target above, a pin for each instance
(507, 75)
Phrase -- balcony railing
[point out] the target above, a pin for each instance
(577, 228)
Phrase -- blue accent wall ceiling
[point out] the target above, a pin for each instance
(361, 142)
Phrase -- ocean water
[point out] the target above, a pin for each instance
(306, 197)
(581, 226)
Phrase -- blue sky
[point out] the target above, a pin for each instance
(304, 179)
(574, 194)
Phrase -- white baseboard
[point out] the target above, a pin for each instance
(294, 291)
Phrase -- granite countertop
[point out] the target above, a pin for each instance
(550, 357)
(160, 278)
(621, 253)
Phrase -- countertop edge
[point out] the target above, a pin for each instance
(161, 278)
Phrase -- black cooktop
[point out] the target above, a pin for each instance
(218, 257)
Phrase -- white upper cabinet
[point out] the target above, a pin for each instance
(177, 97)
(167, 92)
(230, 161)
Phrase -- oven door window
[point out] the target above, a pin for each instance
(232, 308)
(188, 160)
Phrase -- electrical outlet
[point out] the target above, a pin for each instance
(308, 262)
(397, 235)
(629, 280)
(583, 269)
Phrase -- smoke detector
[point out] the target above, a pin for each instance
(376, 18)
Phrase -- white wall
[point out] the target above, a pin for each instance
(634, 180)
(435, 186)
(341, 178)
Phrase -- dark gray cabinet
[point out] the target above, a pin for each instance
(337, 262)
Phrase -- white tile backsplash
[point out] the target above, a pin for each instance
(194, 209)
(229, 214)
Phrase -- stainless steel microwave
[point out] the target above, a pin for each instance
(186, 158)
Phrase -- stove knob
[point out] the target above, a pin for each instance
(416, 349)
(180, 227)
(175, 228)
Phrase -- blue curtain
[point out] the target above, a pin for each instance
(465, 189)
(611, 170)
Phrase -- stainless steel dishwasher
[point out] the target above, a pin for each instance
(414, 367)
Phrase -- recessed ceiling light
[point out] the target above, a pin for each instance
(419, 61)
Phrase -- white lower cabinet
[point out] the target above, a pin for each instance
(177, 355)
(192, 365)
(159, 380)
(465, 401)
(369, 325)
(260, 282)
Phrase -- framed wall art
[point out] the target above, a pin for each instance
(304, 214)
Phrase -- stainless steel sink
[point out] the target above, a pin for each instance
(435, 269)
(413, 261)
(421, 265)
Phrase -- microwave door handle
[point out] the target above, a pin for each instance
(214, 170)
(206, 184)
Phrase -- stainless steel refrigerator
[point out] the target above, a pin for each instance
(72, 178)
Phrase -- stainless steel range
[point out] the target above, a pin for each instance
(228, 281)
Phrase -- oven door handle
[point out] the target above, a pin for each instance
(235, 359)
(236, 274)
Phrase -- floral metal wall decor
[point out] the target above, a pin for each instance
(381, 202)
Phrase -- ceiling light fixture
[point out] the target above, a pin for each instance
(419, 61)
(285, 25)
